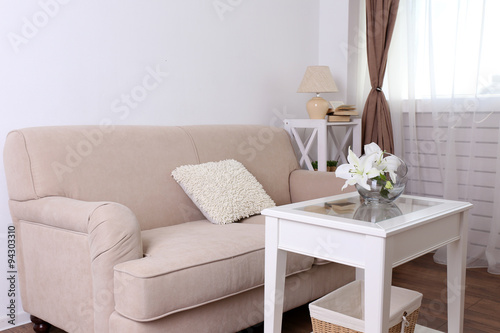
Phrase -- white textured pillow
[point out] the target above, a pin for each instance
(224, 191)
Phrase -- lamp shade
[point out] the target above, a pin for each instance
(317, 79)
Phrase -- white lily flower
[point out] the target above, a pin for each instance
(372, 148)
(344, 171)
(367, 165)
(390, 164)
(358, 170)
(370, 168)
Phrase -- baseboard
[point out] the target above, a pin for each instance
(21, 319)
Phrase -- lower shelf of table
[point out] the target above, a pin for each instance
(421, 329)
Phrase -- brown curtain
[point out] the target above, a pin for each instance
(380, 21)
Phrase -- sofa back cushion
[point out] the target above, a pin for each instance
(131, 165)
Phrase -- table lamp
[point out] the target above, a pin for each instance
(317, 79)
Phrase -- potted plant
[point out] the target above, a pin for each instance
(331, 166)
(314, 165)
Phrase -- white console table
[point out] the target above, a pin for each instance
(322, 132)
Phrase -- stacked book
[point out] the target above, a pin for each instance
(342, 113)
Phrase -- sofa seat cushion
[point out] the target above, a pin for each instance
(194, 263)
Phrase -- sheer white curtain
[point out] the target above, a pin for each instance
(443, 87)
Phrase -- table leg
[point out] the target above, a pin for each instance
(378, 277)
(456, 263)
(356, 136)
(274, 278)
(322, 147)
(360, 274)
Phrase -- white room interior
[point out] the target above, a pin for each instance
(68, 62)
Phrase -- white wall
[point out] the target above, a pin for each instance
(156, 62)
(333, 39)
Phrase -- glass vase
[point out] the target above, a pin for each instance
(384, 191)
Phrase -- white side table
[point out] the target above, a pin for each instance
(322, 131)
(417, 226)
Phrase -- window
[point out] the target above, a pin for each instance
(455, 45)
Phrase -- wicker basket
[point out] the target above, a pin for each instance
(342, 311)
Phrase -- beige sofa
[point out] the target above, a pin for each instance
(108, 241)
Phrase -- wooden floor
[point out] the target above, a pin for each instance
(482, 300)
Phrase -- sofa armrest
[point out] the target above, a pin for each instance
(59, 212)
(307, 185)
(114, 236)
(109, 225)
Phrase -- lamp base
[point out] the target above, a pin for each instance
(317, 107)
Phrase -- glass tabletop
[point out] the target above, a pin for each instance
(354, 208)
